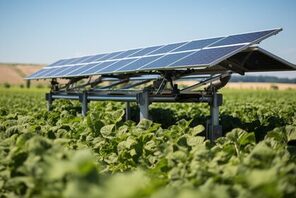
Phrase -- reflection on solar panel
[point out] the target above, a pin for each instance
(205, 57)
(253, 37)
(165, 60)
(193, 54)
(197, 44)
(138, 63)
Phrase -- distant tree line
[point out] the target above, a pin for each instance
(271, 79)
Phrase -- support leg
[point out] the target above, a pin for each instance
(48, 97)
(214, 130)
(127, 111)
(28, 83)
(84, 104)
(143, 101)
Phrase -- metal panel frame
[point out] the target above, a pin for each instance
(274, 31)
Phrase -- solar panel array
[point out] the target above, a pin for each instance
(191, 54)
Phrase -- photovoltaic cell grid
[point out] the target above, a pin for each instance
(196, 53)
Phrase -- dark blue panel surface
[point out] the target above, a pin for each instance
(79, 60)
(198, 44)
(78, 70)
(38, 73)
(139, 63)
(195, 53)
(53, 71)
(243, 38)
(88, 59)
(61, 70)
(75, 69)
(110, 56)
(94, 58)
(61, 62)
(166, 60)
(66, 61)
(56, 63)
(206, 56)
(46, 74)
(127, 53)
(117, 65)
(73, 60)
(146, 51)
(167, 48)
(96, 68)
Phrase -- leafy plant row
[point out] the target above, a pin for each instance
(61, 154)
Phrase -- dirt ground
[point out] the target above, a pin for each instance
(14, 73)
(266, 86)
(255, 85)
(9, 75)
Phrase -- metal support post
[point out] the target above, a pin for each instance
(84, 103)
(49, 99)
(127, 111)
(214, 130)
(28, 83)
(143, 101)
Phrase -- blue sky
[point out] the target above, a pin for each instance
(36, 31)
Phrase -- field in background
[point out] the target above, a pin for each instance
(252, 85)
(262, 86)
(13, 74)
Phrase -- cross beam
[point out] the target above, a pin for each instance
(144, 99)
(153, 92)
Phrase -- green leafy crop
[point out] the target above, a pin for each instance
(62, 154)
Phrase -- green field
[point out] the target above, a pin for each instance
(62, 154)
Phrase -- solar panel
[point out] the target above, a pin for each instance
(38, 73)
(86, 59)
(75, 60)
(80, 60)
(205, 57)
(64, 62)
(115, 66)
(110, 56)
(80, 69)
(244, 38)
(42, 73)
(138, 63)
(168, 48)
(98, 67)
(127, 53)
(55, 63)
(95, 58)
(53, 70)
(206, 52)
(165, 60)
(146, 50)
(63, 71)
(197, 44)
